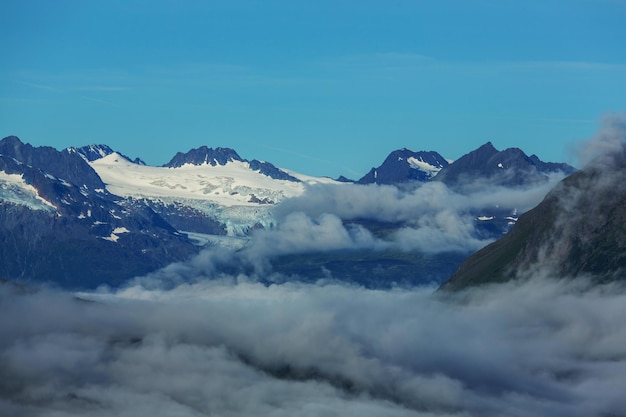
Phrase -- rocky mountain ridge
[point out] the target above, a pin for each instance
(510, 167)
(579, 229)
(404, 165)
(485, 166)
(92, 153)
(222, 156)
(91, 208)
(75, 228)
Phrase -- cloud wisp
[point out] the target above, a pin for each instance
(586, 232)
(607, 142)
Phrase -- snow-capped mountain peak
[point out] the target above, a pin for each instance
(237, 194)
(228, 184)
(92, 153)
(15, 190)
(405, 165)
(420, 164)
(510, 167)
(204, 156)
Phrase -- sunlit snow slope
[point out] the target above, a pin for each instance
(232, 194)
(15, 190)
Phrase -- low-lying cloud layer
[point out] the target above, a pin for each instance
(432, 218)
(543, 348)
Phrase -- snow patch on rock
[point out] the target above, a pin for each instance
(13, 189)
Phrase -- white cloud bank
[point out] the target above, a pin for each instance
(544, 348)
(431, 218)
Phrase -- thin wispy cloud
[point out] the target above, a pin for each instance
(549, 120)
(392, 60)
(310, 158)
(584, 66)
(193, 69)
(375, 64)
(102, 88)
(70, 91)
(608, 140)
(295, 153)
(41, 86)
(100, 101)
(403, 62)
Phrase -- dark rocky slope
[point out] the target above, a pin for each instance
(403, 165)
(82, 236)
(578, 229)
(510, 167)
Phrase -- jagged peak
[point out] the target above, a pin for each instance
(94, 152)
(60, 164)
(91, 152)
(204, 155)
(404, 165)
(409, 152)
(271, 171)
(13, 146)
(485, 149)
(510, 167)
(12, 140)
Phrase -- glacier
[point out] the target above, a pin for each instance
(233, 194)
(13, 189)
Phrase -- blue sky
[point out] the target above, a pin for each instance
(320, 87)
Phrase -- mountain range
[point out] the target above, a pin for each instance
(579, 229)
(405, 165)
(93, 209)
(510, 167)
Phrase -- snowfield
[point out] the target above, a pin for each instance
(233, 194)
(419, 164)
(15, 190)
(233, 184)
